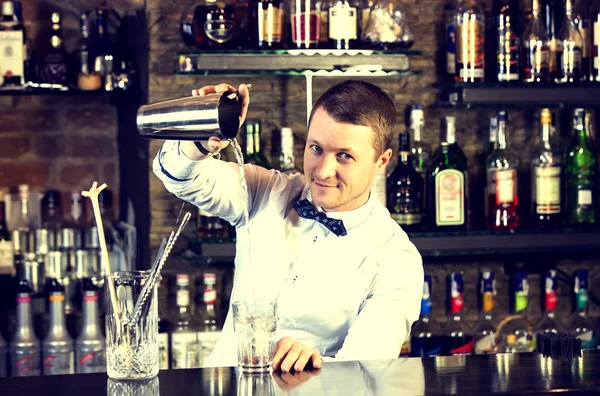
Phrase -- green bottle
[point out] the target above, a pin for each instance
(581, 172)
(448, 183)
(252, 151)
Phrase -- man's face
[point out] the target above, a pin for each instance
(339, 163)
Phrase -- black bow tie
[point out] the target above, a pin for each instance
(306, 210)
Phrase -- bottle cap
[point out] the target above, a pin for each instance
(210, 278)
(546, 117)
(183, 280)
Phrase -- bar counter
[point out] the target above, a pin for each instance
(508, 374)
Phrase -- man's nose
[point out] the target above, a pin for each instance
(326, 168)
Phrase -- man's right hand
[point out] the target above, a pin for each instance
(214, 144)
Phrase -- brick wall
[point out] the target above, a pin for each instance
(62, 142)
(281, 102)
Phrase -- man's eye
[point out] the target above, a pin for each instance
(346, 157)
(316, 148)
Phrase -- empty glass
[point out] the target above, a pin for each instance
(131, 348)
(255, 324)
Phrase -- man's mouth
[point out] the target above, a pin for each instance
(324, 185)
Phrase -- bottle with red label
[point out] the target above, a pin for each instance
(210, 325)
(57, 348)
(25, 347)
(502, 181)
(550, 322)
(305, 18)
(458, 339)
(89, 346)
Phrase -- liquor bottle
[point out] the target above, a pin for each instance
(580, 324)
(492, 145)
(426, 333)
(266, 23)
(569, 50)
(502, 182)
(89, 346)
(458, 340)
(470, 42)
(405, 189)
(484, 333)
(210, 325)
(450, 34)
(535, 49)
(12, 57)
(24, 225)
(581, 174)
(184, 345)
(87, 79)
(516, 334)
(508, 41)
(29, 67)
(546, 172)
(101, 49)
(420, 152)
(552, 13)
(549, 323)
(287, 161)
(581, 18)
(57, 347)
(343, 24)
(164, 330)
(24, 348)
(305, 23)
(212, 25)
(52, 215)
(253, 153)
(447, 182)
(6, 246)
(53, 67)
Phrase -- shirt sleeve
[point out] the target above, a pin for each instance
(210, 184)
(391, 307)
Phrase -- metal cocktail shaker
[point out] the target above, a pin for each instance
(191, 118)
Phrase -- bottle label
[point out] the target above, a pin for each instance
(91, 361)
(305, 27)
(407, 218)
(26, 365)
(220, 31)
(582, 299)
(506, 186)
(508, 52)
(56, 298)
(272, 24)
(6, 257)
(342, 22)
(90, 298)
(488, 301)
(538, 58)
(425, 346)
(58, 363)
(210, 296)
(521, 301)
(571, 59)
(584, 197)
(324, 25)
(184, 350)
(547, 189)
(451, 49)
(12, 52)
(551, 300)
(450, 198)
(470, 48)
(465, 349)
(183, 298)
(585, 50)
(23, 299)
(486, 344)
(163, 351)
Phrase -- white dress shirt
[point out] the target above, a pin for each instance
(351, 297)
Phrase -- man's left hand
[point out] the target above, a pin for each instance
(290, 353)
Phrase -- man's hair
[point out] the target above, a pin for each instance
(361, 103)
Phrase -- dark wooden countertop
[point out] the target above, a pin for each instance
(511, 374)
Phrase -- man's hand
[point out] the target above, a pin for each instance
(214, 144)
(288, 381)
(291, 354)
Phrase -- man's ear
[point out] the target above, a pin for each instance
(384, 159)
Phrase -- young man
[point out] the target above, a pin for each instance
(347, 280)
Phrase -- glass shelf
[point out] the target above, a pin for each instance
(50, 89)
(518, 94)
(465, 243)
(326, 63)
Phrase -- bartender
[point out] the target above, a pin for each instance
(345, 276)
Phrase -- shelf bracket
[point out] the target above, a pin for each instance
(309, 99)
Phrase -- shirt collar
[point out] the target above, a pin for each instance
(351, 218)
